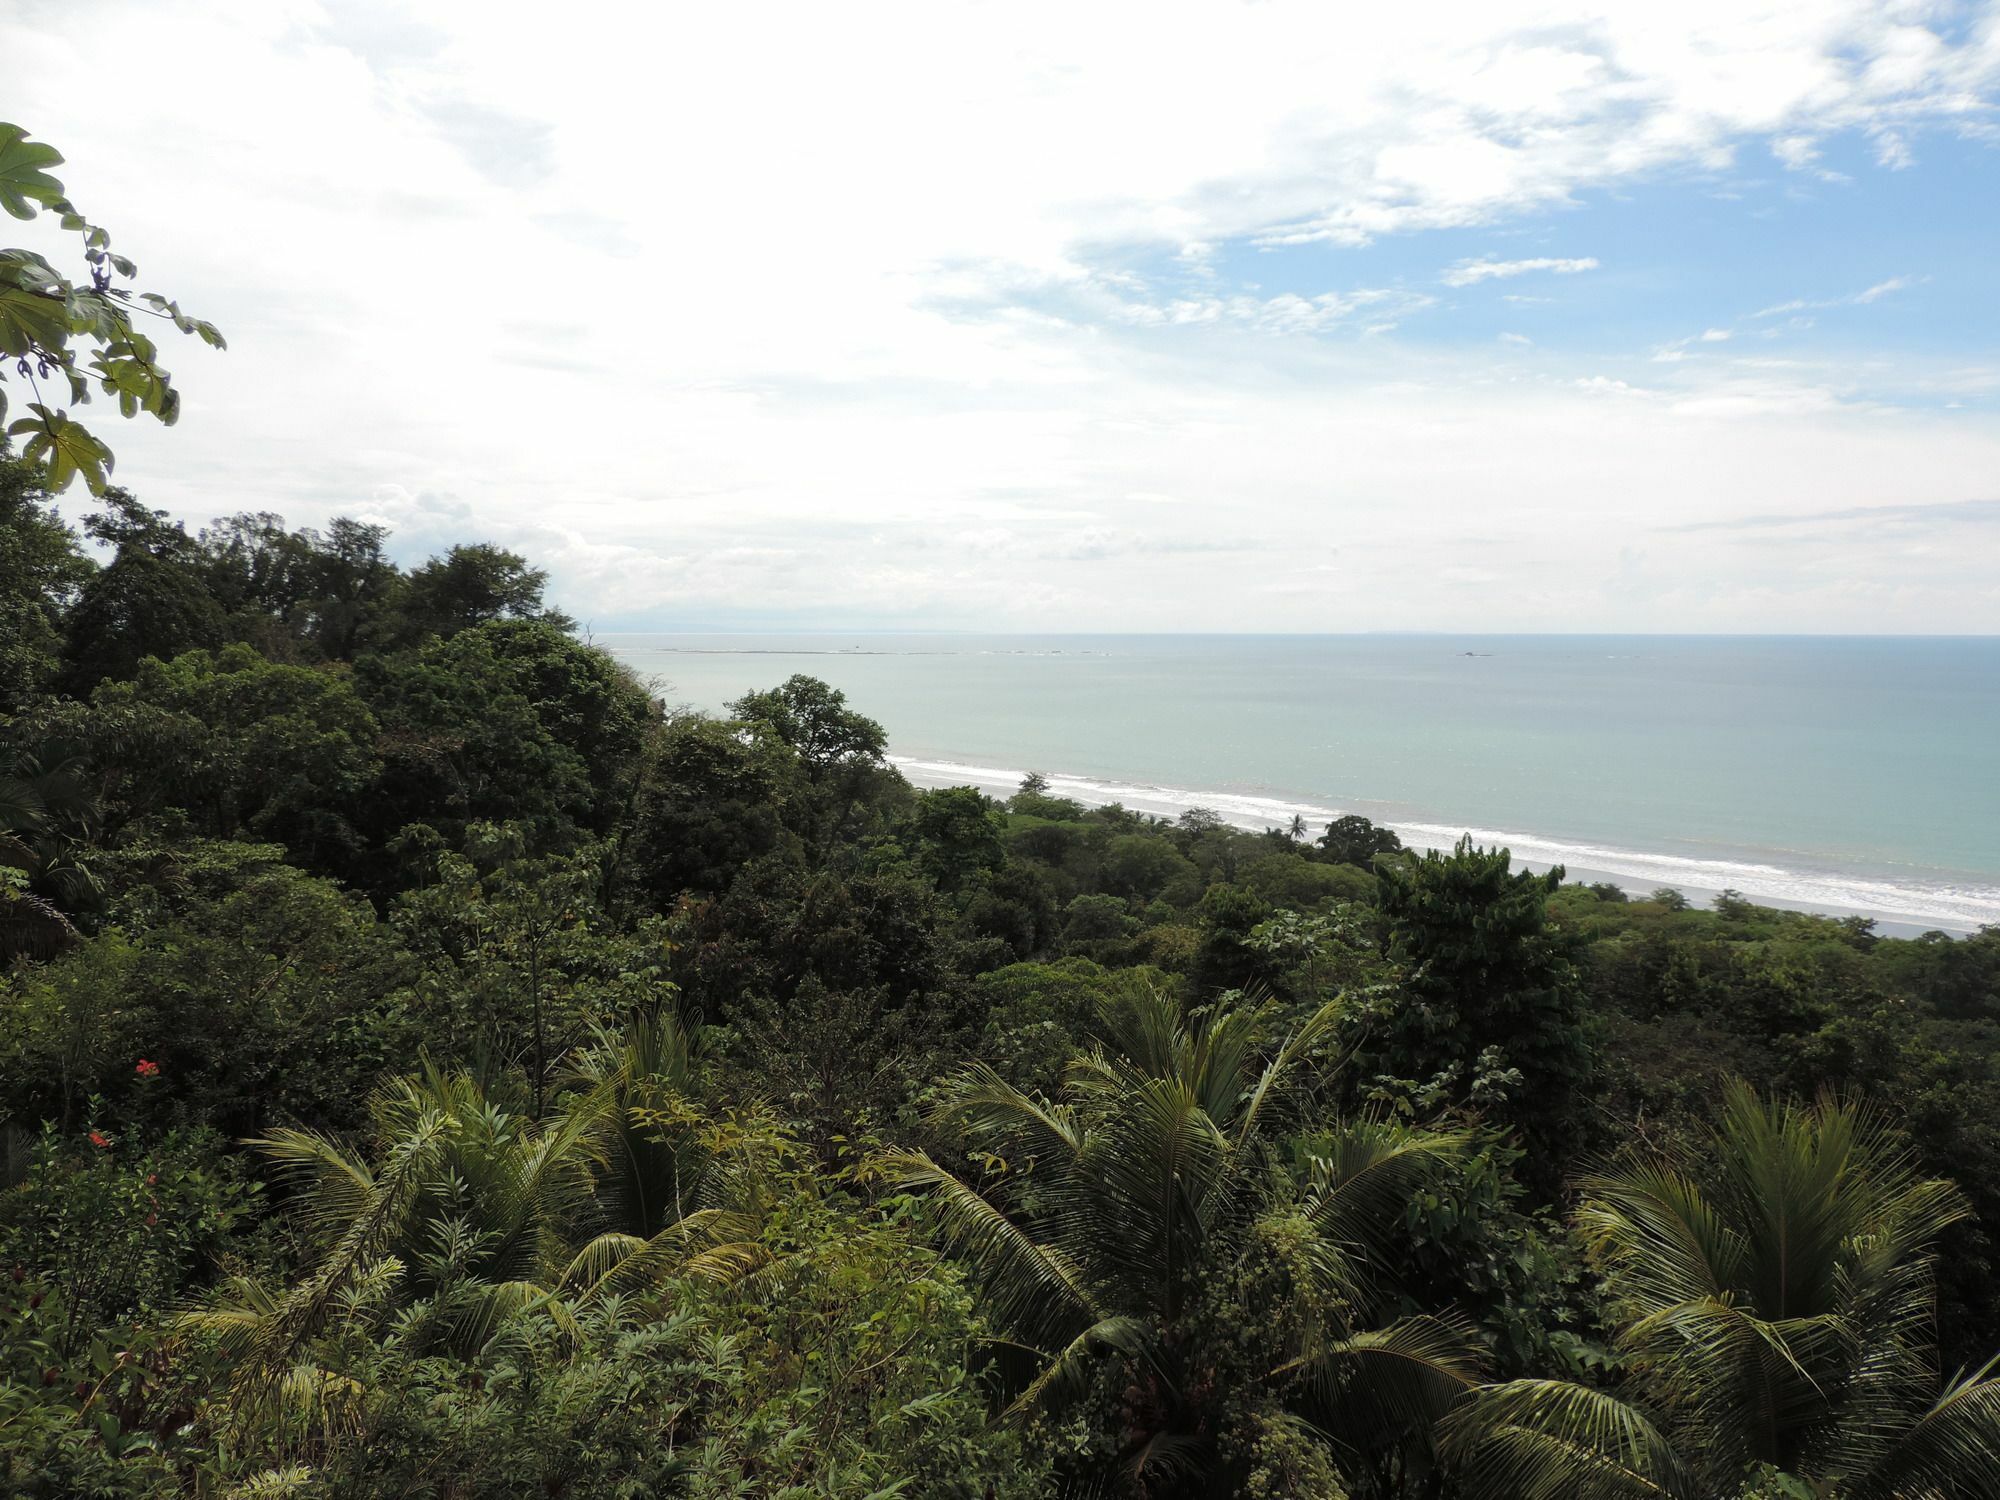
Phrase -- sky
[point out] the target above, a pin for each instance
(1266, 317)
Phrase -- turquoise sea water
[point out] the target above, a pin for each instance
(1850, 774)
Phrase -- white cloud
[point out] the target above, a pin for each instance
(725, 309)
(1882, 289)
(1874, 293)
(1470, 272)
(1796, 151)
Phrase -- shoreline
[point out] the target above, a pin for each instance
(1896, 911)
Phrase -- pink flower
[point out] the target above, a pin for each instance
(147, 1069)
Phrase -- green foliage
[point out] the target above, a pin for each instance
(142, 604)
(1487, 989)
(278, 752)
(955, 835)
(74, 334)
(713, 799)
(1130, 1237)
(814, 720)
(41, 572)
(471, 586)
(279, 995)
(511, 720)
(1352, 840)
(107, 1226)
(1772, 1297)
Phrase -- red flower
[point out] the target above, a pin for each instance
(151, 1220)
(152, 1179)
(98, 1139)
(147, 1069)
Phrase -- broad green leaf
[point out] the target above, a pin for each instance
(25, 186)
(64, 448)
(29, 321)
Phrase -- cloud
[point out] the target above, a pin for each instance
(1874, 293)
(1882, 289)
(1471, 272)
(730, 313)
(1939, 512)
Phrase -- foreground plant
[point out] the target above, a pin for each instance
(1776, 1306)
(1142, 1246)
(476, 1210)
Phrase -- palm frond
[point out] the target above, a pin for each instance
(1551, 1440)
(1030, 1286)
(1374, 1386)
(1950, 1452)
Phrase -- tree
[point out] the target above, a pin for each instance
(513, 720)
(354, 587)
(814, 720)
(73, 333)
(1132, 1240)
(1488, 989)
(473, 585)
(461, 1189)
(42, 570)
(1773, 1292)
(150, 600)
(282, 752)
(1353, 840)
(956, 836)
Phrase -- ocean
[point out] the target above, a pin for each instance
(1841, 774)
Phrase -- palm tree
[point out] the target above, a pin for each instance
(464, 1202)
(1142, 1230)
(673, 1187)
(1774, 1297)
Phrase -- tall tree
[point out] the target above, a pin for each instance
(474, 585)
(149, 600)
(1488, 1005)
(814, 719)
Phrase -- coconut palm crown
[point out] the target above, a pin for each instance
(1773, 1291)
(1140, 1235)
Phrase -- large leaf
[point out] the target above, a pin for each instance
(25, 185)
(31, 323)
(64, 447)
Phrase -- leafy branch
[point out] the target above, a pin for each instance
(75, 334)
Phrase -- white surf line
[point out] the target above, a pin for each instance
(1957, 908)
